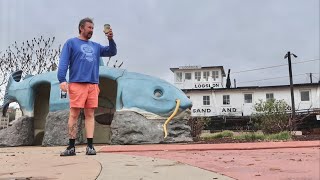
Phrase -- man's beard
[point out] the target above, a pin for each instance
(89, 35)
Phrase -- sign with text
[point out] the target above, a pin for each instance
(232, 111)
(206, 85)
(205, 110)
(202, 112)
(229, 110)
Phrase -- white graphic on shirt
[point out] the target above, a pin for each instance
(88, 52)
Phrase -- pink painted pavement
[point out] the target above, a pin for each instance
(261, 161)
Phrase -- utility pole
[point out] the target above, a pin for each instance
(288, 55)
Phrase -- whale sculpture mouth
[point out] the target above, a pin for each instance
(148, 115)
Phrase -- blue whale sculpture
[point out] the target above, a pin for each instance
(123, 90)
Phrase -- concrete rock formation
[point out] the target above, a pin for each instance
(56, 130)
(21, 133)
(132, 128)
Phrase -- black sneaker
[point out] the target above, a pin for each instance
(69, 152)
(90, 151)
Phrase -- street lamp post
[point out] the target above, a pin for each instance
(288, 55)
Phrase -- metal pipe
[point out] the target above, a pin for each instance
(169, 119)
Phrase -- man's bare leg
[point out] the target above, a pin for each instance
(72, 122)
(89, 122)
(72, 131)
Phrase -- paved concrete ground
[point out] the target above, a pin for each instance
(125, 167)
(45, 163)
(283, 160)
(262, 161)
(267, 164)
(37, 163)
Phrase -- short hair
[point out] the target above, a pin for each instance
(83, 22)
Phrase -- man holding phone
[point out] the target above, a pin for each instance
(81, 56)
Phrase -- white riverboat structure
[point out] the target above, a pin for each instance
(212, 97)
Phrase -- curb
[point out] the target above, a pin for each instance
(206, 147)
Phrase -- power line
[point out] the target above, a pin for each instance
(268, 67)
(315, 76)
(318, 78)
(271, 78)
(280, 77)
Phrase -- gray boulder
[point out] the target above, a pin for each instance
(56, 129)
(21, 133)
(130, 127)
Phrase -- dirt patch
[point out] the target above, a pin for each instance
(310, 137)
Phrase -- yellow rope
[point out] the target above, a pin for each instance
(169, 119)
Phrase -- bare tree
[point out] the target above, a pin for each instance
(32, 57)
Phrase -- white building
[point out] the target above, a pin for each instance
(210, 97)
(18, 113)
(197, 77)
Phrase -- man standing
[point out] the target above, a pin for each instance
(81, 56)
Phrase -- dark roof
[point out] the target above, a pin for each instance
(205, 67)
(258, 87)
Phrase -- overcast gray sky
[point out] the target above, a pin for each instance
(155, 35)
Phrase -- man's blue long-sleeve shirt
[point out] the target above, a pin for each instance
(82, 58)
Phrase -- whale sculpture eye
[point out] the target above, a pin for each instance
(158, 93)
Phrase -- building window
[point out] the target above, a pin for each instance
(304, 95)
(206, 100)
(197, 76)
(187, 76)
(247, 98)
(178, 76)
(206, 75)
(269, 96)
(215, 75)
(226, 99)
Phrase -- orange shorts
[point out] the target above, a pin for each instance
(83, 95)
